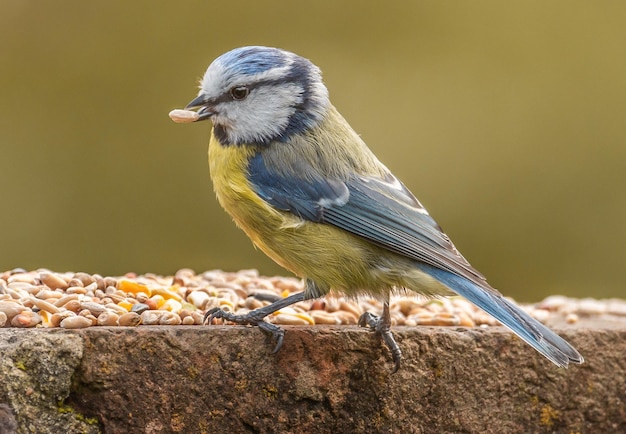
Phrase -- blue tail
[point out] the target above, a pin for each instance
(531, 331)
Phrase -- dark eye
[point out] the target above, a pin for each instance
(239, 92)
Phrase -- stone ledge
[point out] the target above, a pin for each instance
(325, 379)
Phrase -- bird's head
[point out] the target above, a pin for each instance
(256, 95)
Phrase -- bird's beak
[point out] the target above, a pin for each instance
(205, 109)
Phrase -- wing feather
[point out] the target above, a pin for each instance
(382, 211)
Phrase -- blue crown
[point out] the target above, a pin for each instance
(252, 60)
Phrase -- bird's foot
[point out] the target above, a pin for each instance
(256, 317)
(381, 325)
(251, 318)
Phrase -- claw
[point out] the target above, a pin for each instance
(256, 317)
(391, 343)
(369, 320)
(382, 326)
(277, 334)
(249, 318)
(210, 314)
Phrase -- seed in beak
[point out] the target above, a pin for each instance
(184, 116)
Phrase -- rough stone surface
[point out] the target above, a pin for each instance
(36, 370)
(330, 379)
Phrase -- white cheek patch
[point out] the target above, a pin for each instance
(264, 114)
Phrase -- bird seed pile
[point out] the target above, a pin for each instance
(43, 298)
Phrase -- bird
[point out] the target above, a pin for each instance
(310, 194)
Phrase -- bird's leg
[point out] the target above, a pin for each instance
(256, 316)
(382, 326)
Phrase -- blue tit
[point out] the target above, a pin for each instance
(300, 182)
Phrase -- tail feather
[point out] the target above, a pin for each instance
(531, 331)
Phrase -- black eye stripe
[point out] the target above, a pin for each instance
(226, 96)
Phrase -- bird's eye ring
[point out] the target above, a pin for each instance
(239, 92)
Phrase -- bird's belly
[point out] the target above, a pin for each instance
(304, 248)
(334, 259)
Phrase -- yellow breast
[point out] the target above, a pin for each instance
(259, 220)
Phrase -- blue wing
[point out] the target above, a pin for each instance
(381, 210)
(385, 212)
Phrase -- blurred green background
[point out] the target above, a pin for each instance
(506, 119)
